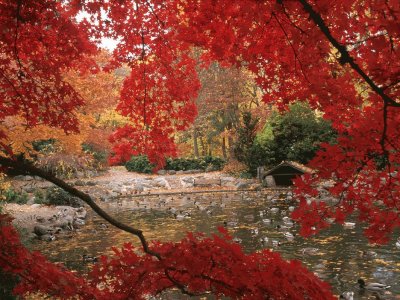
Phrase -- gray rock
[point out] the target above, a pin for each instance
(91, 183)
(65, 223)
(81, 213)
(29, 189)
(57, 230)
(28, 178)
(105, 198)
(31, 200)
(171, 172)
(79, 222)
(139, 187)
(113, 194)
(40, 219)
(79, 183)
(65, 210)
(161, 172)
(80, 174)
(179, 172)
(187, 181)
(42, 230)
(36, 205)
(47, 237)
(161, 182)
(91, 173)
(242, 185)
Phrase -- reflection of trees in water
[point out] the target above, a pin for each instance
(338, 259)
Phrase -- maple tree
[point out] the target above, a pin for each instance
(319, 51)
(98, 89)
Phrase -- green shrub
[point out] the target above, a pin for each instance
(40, 197)
(139, 164)
(183, 164)
(57, 196)
(217, 163)
(99, 155)
(203, 163)
(12, 196)
(292, 135)
(44, 146)
(246, 175)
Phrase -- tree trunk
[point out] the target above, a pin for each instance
(195, 143)
(231, 147)
(203, 147)
(224, 148)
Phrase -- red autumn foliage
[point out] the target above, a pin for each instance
(341, 56)
(198, 263)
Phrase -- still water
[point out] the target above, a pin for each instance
(337, 255)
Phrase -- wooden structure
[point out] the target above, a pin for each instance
(284, 173)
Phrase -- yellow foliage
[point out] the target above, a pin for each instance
(4, 186)
(22, 137)
(111, 118)
(100, 92)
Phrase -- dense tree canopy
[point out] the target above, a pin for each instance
(292, 135)
(342, 56)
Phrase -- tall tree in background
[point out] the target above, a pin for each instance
(244, 148)
(224, 94)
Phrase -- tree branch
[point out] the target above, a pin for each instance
(296, 57)
(24, 167)
(345, 56)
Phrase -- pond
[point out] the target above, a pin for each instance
(337, 255)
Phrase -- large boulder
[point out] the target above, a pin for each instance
(187, 181)
(161, 182)
(81, 213)
(42, 230)
(65, 222)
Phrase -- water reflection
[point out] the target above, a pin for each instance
(339, 256)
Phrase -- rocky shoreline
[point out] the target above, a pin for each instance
(118, 182)
(45, 222)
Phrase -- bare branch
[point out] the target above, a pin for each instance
(23, 167)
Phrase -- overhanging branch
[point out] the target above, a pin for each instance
(24, 167)
(345, 56)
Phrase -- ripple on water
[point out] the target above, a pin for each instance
(335, 256)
